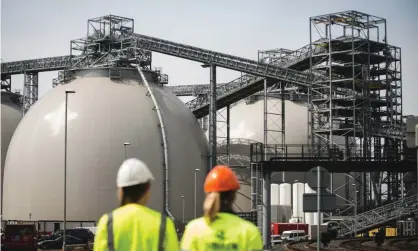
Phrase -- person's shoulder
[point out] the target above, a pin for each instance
(136, 209)
(247, 225)
(196, 223)
(103, 219)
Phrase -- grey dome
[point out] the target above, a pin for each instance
(102, 115)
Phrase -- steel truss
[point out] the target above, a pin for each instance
(30, 91)
(110, 42)
(363, 91)
(367, 73)
(6, 83)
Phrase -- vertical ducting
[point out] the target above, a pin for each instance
(165, 146)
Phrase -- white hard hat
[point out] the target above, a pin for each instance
(133, 172)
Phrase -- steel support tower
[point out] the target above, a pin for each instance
(356, 109)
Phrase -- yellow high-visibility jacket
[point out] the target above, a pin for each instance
(227, 232)
(134, 227)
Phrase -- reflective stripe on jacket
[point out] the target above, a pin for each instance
(227, 232)
(135, 228)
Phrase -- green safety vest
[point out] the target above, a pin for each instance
(227, 233)
(134, 227)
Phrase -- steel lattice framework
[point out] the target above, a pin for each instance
(354, 94)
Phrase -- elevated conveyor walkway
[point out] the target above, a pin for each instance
(379, 216)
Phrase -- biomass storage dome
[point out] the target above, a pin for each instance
(103, 114)
(247, 126)
(11, 114)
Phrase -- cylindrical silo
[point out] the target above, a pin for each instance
(11, 114)
(315, 219)
(275, 194)
(285, 201)
(297, 202)
(103, 114)
(309, 216)
(312, 217)
(285, 194)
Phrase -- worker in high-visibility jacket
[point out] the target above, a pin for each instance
(133, 226)
(219, 228)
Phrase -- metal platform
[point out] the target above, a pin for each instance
(301, 158)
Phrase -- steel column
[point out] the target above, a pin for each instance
(228, 136)
(266, 209)
(212, 118)
(30, 90)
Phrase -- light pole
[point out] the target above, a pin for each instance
(65, 167)
(125, 145)
(182, 198)
(355, 210)
(195, 190)
(297, 205)
(354, 204)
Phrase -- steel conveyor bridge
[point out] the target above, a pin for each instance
(228, 94)
(379, 216)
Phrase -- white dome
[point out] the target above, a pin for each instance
(11, 114)
(102, 115)
(247, 126)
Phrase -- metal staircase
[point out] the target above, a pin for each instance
(379, 216)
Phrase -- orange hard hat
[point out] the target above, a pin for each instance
(221, 179)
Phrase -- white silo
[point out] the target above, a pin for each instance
(274, 195)
(11, 114)
(309, 216)
(102, 115)
(315, 219)
(285, 201)
(297, 200)
(276, 212)
(285, 194)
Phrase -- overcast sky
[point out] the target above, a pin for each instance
(43, 28)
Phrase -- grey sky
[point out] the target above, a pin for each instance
(42, 28)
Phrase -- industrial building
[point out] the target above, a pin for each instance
(335, 102)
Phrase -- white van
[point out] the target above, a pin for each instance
(294, 235)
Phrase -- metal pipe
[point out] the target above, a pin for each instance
(265, 140)
(126, 144)
(283, 117)
(228, 136)
(311, 139)
(212, 118)
(266, 210)
(330, 84)
(182, 198)
(318, 201)
(65, 168)
(165, 145)
(355, 210)
(416, 145)
(195, 192)
(297, 205)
